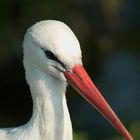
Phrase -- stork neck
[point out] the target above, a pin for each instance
(50, 114)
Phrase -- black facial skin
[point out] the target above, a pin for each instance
(51, 56)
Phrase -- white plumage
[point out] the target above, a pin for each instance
(50, 51)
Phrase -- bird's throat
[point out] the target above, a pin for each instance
(50, 113)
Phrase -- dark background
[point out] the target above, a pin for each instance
(109, 34)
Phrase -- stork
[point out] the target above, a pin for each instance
(52, 59)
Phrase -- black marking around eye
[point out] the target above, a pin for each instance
(51, 56)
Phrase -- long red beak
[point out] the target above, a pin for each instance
(80, 80)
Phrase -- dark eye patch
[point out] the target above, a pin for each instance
(51, 56)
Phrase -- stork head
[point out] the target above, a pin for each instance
(51, 47)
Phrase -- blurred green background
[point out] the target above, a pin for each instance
(109, 34)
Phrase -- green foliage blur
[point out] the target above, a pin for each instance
(109, 34)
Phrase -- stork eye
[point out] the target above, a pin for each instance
(51, 56)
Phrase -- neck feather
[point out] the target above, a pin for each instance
(50, 116)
